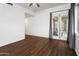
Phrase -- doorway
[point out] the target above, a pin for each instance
(60, 25)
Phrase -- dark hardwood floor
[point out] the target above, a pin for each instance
(37, 46)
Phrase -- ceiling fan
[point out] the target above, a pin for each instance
(10, 4)
(33, 3)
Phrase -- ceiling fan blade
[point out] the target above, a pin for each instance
(30, 4)
(10, 4)
(37, 5)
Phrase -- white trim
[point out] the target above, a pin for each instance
(77, 52)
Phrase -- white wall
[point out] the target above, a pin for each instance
(40, 21)
(12, 26)
(27, 11)
(76, 29)
(77, 44)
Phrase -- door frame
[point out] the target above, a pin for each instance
(50, 26)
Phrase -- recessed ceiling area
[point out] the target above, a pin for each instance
(42, 6)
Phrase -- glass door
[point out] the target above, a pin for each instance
(63, 26)
(55, 26)
(60, 25)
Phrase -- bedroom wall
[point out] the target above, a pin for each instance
(39, 23)
(77, 29)
(12, 26)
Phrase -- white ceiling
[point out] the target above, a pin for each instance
(42, 6)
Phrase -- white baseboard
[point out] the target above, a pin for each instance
(38, 36)
(77, 52)
(10, 42)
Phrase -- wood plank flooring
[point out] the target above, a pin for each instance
(37, 46)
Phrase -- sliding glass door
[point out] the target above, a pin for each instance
(60, 25)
